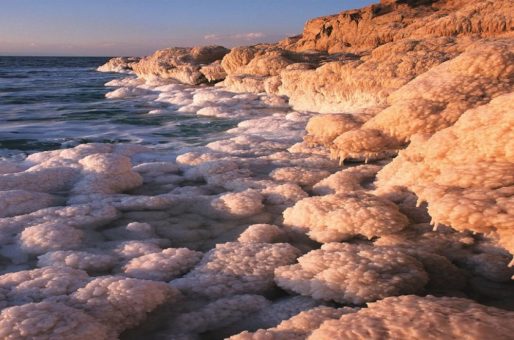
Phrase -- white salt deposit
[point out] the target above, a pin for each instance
(203, 222)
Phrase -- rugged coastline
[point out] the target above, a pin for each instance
(367, 192)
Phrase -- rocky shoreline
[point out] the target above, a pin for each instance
(367, 193)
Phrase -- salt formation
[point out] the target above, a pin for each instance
(233, 268)
(49, 320)
(162, 266)
(218, 314)
(87, 261)
(340, 217)
(179, 64)
(119, 65)
(100, 239)
(413, 317)
(349, 179)
(299, 326)
(466, 182)
(262, 233)
(38, 284)
(355, 274)
(119, 302)
(481, 73)
(19, 202)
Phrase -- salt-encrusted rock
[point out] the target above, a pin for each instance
(163, 266)
(436, 99)
(50, 320)
(121, 302)
(128, 250)
(179, 64)
(44, 237)
(19, 202)
(213, 72)
(354, 86)
(41, 179)
(234, 268)
(107, 173)
(466, 181)
(298, 175)
(238, 204)
(389, 21)
(84, 260)
(355, 274)
(364, 145)
(414, 317)
(262, 233)
(398, 41)
(343, 216)
(456, 246)
(244, 83)
(323, 129)
(298, 327)
(218, 314)
(119, 64)
(38, 284)
(273, 314)
(349, 179)
(39, 232)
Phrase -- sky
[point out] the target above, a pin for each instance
(139, 27)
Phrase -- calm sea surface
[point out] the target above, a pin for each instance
(55, 102)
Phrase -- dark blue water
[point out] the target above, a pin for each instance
(53, 102)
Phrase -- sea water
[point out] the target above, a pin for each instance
(49, 103)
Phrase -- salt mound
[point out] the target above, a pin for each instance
(119, 65)
(340, 217)
(467, 183)
(414, 317)
(179, 64)
(434, 100)
(232, 268)
(298, 327)
(354, 274)
(50, 320)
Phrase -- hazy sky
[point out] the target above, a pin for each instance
(138, 27)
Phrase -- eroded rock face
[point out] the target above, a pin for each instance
(397, 40)
(179, 64)
(391, 20)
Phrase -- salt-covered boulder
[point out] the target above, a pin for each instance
(50, 320)
(121, 302)
(19, 202)
(92, 262)
(346, 180)
(218, 314)
(119, 64)
(41, 238)
(323, 129)
(234, 268)
(436, 99)
(36, 285)
(467, 180)
(179, 64)
(355, 274)
(262, 233)
(213, 72)
(340, 217)
(297, 327)
(163, 266)
(414, 317)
